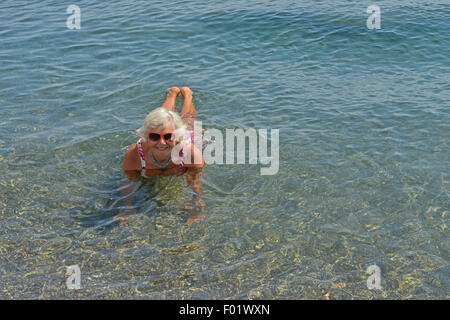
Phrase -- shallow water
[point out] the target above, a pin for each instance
(364, 133)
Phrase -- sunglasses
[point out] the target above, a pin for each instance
(154, 136)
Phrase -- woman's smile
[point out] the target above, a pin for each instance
(162, 148)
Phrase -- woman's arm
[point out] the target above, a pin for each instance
(130, 183)
(193, 175)
(194, 170)
(196, 158)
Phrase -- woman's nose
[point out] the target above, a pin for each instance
(162, 141)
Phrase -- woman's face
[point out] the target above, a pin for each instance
(162, 146)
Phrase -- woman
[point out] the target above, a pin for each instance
(154, 154)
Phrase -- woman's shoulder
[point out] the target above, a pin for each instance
(196, 160)
(131, 160)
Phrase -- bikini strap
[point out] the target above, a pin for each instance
(182, 168)
(188, 139)
(141, 156)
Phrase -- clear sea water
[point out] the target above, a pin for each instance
(364, 149)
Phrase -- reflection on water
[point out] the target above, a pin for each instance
(363, 178)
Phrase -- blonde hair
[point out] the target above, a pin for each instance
(161, 117)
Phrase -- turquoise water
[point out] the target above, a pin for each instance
(364, 149)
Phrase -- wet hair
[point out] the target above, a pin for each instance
(161, 117)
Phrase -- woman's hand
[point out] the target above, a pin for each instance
(124, 215)
(193, 219)
(199, 203)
